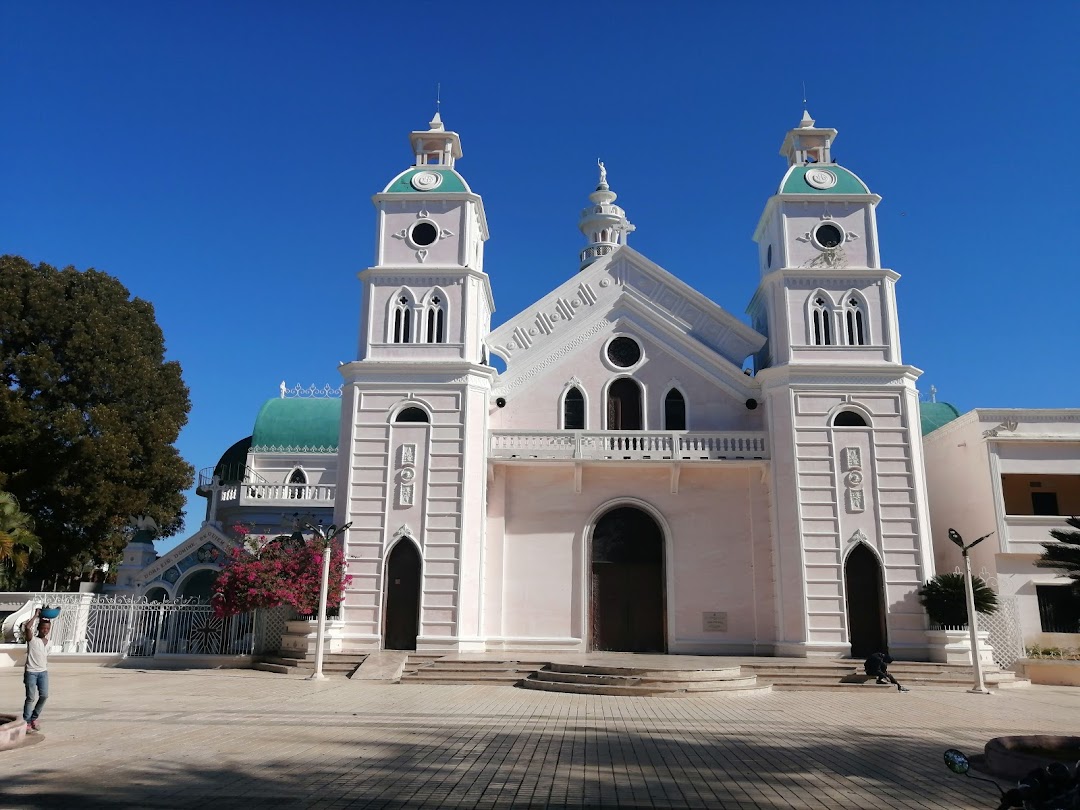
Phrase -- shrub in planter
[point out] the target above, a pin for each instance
(945, 601)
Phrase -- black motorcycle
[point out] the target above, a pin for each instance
(1055, 787)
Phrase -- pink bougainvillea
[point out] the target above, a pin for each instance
(282, 571)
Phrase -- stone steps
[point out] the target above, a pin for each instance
(286, 663)
(811, 676)
(594, 679)
(466, 672)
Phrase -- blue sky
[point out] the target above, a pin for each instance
(219, 159)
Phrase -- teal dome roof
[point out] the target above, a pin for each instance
(935, 414)
(296, 425)
(451, 181)
(847, 182)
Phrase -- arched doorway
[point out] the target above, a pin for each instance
(624, 405)
(402, 621)
(200, 584)
(626, 599)
(865, 603)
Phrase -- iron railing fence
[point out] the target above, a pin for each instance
(137, 627)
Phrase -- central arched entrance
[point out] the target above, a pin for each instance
(402, 618)
(865, 603)
(626, 586)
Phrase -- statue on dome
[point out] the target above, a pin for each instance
(603, 171)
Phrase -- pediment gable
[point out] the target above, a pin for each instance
(624, 285)
(208, 535)
(625, 272)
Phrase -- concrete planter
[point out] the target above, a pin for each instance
(954, 647)
(1050, 671)
(300, 637)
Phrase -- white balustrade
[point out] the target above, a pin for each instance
(629, 444)
(252, 494)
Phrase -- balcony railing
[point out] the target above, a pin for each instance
(278, 494)
(629, 444)
(1025, 534)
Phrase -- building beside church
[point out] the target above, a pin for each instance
(627, 482)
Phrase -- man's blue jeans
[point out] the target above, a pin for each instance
(37, 692)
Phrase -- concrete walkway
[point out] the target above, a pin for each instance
(245, 739)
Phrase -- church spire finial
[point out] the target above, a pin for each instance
(604, 224)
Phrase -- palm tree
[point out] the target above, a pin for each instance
(1064, 554)
(17, 540)
(946, 602)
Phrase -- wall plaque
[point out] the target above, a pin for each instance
(714, 621)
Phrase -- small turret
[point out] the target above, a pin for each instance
(604, 224)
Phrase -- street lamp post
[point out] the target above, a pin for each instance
(973, 624)
(327, 536)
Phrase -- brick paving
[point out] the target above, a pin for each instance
(238, 738)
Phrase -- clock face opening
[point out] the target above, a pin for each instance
(828, 236)
(423, 234)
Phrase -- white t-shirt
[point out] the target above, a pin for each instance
(37, 655)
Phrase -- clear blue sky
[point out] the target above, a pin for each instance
(219, 159)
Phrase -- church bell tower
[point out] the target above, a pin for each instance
(415, 404)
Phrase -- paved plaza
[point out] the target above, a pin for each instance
(239, 738)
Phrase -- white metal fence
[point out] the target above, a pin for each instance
(1006, 633)
(136, 627)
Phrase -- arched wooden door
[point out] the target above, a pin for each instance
(865, 603)
(402, 619)
(626, 597)
(624, 405)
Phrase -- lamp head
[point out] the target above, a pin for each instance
(954, 535)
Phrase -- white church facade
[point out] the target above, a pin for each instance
(626, 482)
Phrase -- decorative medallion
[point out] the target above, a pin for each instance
(407, 474)
(818, 178)
(426, 181)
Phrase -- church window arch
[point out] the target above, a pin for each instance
(400, 320)
(820, 318)
(624, 405)
(856, 320)
(674, 410)
(850, 418)
(412, 414)
(297, 483)
(435, 317)
(573, 409)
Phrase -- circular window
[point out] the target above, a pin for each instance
(423, 233)
(828, 235)
(623, 352)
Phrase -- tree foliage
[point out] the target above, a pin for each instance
(946, 603)
(1064, 555)
(17, 542)
(89, 412)
(287, 570)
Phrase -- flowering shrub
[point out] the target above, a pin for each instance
(286, 570)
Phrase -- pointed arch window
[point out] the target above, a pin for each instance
(855, 322)
(574, 410)
(402, 320)
(674, 410)
(435, 320)
(297, 483)
(821, 315)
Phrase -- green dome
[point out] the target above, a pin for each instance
(297, 426)
(795, 181)
(451, 181)
(935, 414)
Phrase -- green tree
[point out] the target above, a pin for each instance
(946, 603)
(1064, 555)
(89, 412)
(17, 542)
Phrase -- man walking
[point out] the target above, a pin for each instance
(36, 674)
